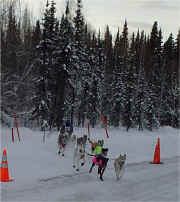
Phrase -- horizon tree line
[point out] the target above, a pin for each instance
(60, 69)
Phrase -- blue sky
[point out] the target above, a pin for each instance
(138, 13)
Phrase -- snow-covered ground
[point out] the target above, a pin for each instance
(40, 174)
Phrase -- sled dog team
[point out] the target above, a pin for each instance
(98, 152)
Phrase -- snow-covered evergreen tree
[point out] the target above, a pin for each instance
(80, 59)
(93, 104)
(108, 76)
(45, 96)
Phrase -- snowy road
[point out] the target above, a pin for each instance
(141, 182)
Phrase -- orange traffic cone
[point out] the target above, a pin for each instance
(156, 159)
(4, 174)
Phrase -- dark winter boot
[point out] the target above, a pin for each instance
(101, 178)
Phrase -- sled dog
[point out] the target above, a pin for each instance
(79, 152)
(68, 132)
(62, 141)
(73, 138)
(118, 165)
(84, 140)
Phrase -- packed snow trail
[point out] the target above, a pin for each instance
(140, 182)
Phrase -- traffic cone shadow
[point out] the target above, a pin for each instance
(4, 174)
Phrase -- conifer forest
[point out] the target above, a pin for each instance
(58, 68)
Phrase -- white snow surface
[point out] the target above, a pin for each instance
(40, 174)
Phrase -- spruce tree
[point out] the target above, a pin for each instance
(36, 35)
(107, 82)
(93, 106)
(155, 78)
(170, 115)
(66, 48)
(81, 60)
(45, 84)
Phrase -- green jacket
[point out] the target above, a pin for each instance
(98, 150)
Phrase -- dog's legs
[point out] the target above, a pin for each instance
(63, 149)
(59, 150)
(117, 174)
(70, 135)
(83, 160)
(74, 157)
(78, 160)
(116, 171)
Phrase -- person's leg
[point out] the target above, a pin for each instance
(99, 169)
(101, 174)
(90, 170)
(104, 164)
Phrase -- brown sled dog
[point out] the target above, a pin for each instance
(118, 165)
